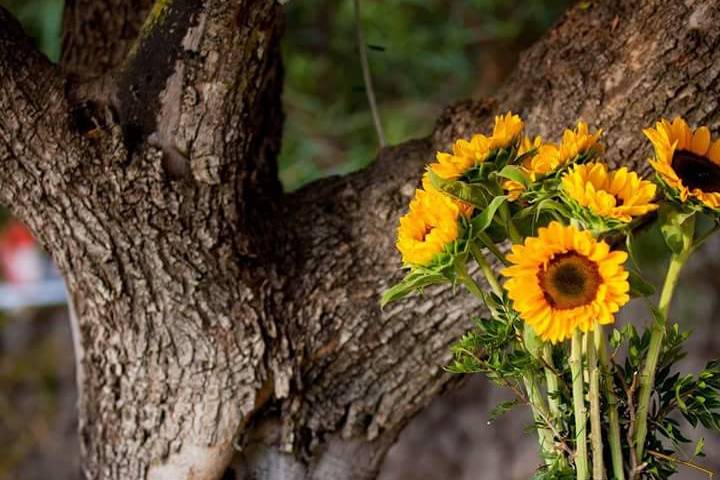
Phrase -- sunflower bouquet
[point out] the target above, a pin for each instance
(560, 227)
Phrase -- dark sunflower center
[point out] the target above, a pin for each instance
(428, 229)
(570, 280)
(696, 171)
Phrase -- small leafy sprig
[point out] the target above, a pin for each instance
(568, 217)
(495, 346)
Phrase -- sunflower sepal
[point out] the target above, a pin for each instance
(597, 224)
(476, 195)
(542, 188)
(516, 174)
(442, 269)
(526, 155)
(586, 157)
(688, 205)
(677, 227)
(546, 205)
(502, 157)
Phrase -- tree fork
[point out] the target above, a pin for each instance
(224, 324)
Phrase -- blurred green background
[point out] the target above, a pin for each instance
(423, 54)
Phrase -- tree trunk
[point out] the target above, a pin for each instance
(227, 330)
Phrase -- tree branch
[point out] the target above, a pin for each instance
(619, 65)
(98, 34)
(39, 149)
(191, 334)
(204, 82)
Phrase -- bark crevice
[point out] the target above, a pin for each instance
(210, 304)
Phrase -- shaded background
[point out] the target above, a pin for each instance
(424, 55)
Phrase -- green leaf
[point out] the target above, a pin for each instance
(677, 228)
(502, 408)
(639, 287)
(630, 245)
(483, 221)
(551, 205)
(472, 193)
(699, 446)
(515, 173)
(533, 344)
(414, 281)
(678, 397)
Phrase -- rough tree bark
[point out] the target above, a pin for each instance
(228, 330)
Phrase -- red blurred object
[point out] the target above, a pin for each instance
(20, 259)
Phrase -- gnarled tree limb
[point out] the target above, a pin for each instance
(619, 65)
(39, 149)
(98, 34)
(203, 81)
(213, 309)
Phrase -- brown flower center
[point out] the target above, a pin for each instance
(426, 232)
(696, 171)
(569, 280)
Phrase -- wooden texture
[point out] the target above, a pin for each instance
(228, 330)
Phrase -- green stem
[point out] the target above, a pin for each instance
(515, 236)
(576, 369)
(488, 243)
(540, 415)
(535, 397)
(647, 376)
(594, 394)
(486, 269)
(616, 454)
(512, 230)
(468, 281)
(553, 383)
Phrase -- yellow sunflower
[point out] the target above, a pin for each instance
(564, 279)
(466, 155)
(507, 129)
(514, 189)
(619, 194)
(686, 160)
(579, 142)
(429, 226)
(574, 144)
(465, 208)
(549, 157)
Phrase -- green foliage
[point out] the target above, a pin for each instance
(502, 408)
(696, 398)
(494, 347)
(42, 20)
(677, 227)
(424, 54)
(557, 471)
